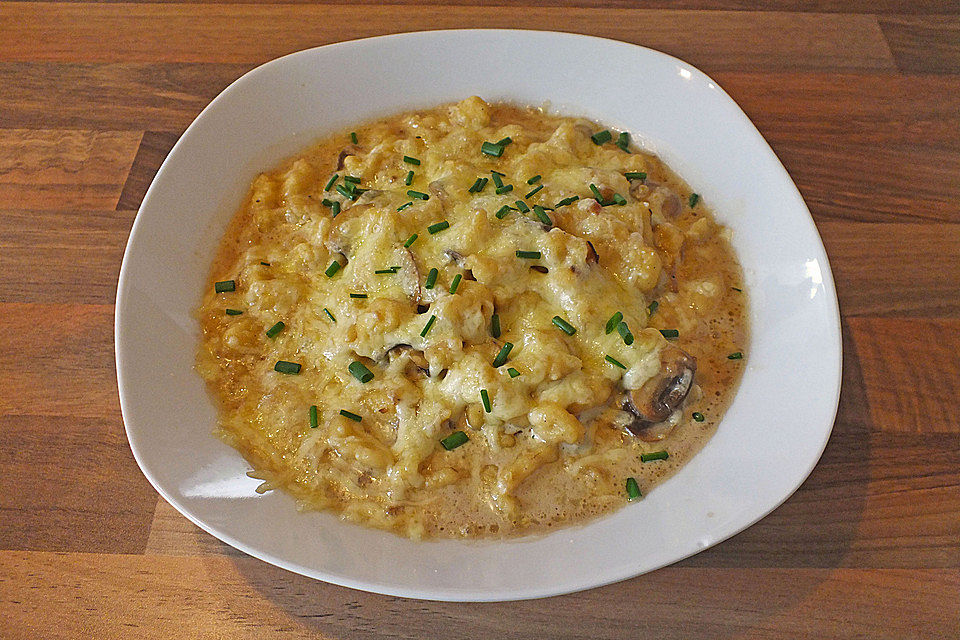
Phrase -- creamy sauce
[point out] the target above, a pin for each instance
(554, 447)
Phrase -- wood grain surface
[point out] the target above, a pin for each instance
(861, 101)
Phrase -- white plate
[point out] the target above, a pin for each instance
(767, 444)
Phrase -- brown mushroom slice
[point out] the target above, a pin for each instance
(592, 256)
(416, 359)
(349, 150)
(663, 394)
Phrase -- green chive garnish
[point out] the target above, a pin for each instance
(351, 415)
(233, 312)
(314, 422)
(495, 325)
(738, 355)
(513, 372)
(564, 326)
(505, 141)
(332, 269)
(670, 333)
(694, 199)
(542, 215)
(266, 264)
(346, 192)
(454, 440)
(497, 178)
(567, 201)
(419, 195)
(507, 188)
(530, 255)
(633, 491)
(503, 211)
(737, 290)
(360, 371)
(410, 160)
(614, 361)
(491, 149)
(619, 199)
(409, 179)
(331, 181)
(478, 185)
(426, 327)
(275, 330)
(623, 141)
(534, 191)
(698, 416)
(652, 308)
(329, 315)
(438, 227)
(455, 283)
(358, 296)
(596, 193)
(601, 136)
(410, 241)
(535, 179)
(656, 455)
(291, 368)
(334, 209)
(613, 322)
(404, 206)
(391, 270)
(502, 356)
(431, 278)
(353, 137)
(495, 172)
(624, 332)
(351, 179)
(485, 397)
(522, 206)
(225, 285)
(635, 175)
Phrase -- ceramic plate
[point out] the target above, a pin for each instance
(765, 447)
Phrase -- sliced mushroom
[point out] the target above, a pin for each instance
(454, 256)
(349, 150)
(665, 202)
(416, 359)
(438, 189)
(663, 394)
(592, 256)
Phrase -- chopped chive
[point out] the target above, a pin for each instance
(358, 296)
(694, 199)
(455, 283)
(619, 199)
(633, 490)
(670, 333)
(542, 215)
(522, 206)
(596, 193)
(353, 137)
(485, 397)
(275, 330)
(291, 368)
(502, 175)
(332, 269)
(454, 440)
(491, 149)
(419, 195)
(233, 312)
(497, 178)
(438, 227)
(503, 211)
(331, 181)
(567, 201)
(507, 188)
(410, 160)
(410, 240)
(266, 264)
(347, 193)
(601, 136)
(737, 290)
(534, 191)
(426, 327)
(409, 179)
(530, 255)
(334, 209)
(431, 278)
(495, 325)
(652, 308)
(404, 206)
(329, 315)
(513, 372)
(351, 415)
(380, 272)
(478, 185)
(614, 361)
(698, 416)
(535, 179)
(624, 332)
(738, 355)
(656, 455)
(613, 322)
(505, 141)
(352, 179)
(635, 175)
(360, 371)
(225, 286)
(564, 326)
(623, 141)
(314, 422)
(502, 356)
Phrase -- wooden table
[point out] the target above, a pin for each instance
(859, 98)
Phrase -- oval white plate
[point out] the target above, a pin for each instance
(766, 446)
